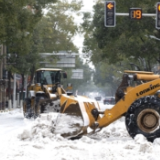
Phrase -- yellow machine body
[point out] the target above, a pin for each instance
(45, 90)
(95, 119)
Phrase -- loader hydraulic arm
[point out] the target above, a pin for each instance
(121, 107)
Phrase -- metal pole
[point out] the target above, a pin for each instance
(122, 14)
(14, 91)
(143, 14)
(149, 14)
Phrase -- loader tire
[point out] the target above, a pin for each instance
(27, 110)
(39, 107)
(143, 117)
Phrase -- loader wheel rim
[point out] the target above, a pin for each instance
(148, 120)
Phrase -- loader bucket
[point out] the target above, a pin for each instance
(76, 116)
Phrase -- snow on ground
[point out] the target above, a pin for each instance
(23, 139)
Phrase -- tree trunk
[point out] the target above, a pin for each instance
(21, 93)
(32, 73)
(9, 91)
(22, 88)
(32, 76)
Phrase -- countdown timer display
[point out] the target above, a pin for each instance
(135, 13)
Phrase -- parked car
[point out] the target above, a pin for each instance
(109, 100)
(98, 98)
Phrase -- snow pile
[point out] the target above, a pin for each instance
(51, 124)
(157, 141)
(41, 128)
(116, 129)
(45, 126)
(144, 145)
(36, 140)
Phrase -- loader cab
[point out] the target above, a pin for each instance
(50, 76)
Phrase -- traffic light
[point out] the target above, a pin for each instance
(158, 15)
(110, 14)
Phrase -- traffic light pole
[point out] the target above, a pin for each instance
(134, 13)
(143, 14)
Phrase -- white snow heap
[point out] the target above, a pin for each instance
(144, 145)
(36, 141)
(41, 128)
(50, 125)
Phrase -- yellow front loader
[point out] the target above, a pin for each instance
(43, 94)
(137, 98)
